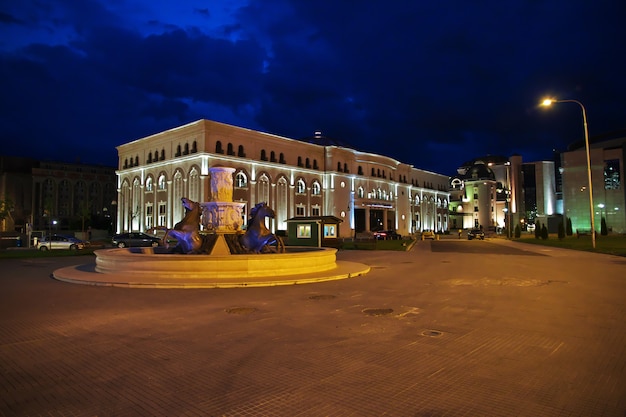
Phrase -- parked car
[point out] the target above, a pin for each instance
(428, 234)
(475, 234)
(387, 234)
(60, 242)
(135, 239)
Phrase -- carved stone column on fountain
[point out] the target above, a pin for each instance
(222, 215)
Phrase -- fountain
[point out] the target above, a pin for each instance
(220, 256)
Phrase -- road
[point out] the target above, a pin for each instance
(450, 328)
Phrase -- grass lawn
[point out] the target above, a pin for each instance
(612, 244)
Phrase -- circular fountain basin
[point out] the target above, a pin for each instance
(155, 267)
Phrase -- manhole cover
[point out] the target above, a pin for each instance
(378, 311)
(241, 310)
(322, 297)
(432, 333)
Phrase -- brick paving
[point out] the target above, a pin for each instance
(512, 330)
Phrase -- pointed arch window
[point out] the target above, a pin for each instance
(241, 181)
(316, 189)
(300, 186)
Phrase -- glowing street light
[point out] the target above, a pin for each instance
(548, 102)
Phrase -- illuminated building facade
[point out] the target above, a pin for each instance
(487, 193)
(296, 178)
(607, 157)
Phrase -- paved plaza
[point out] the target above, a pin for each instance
(449, 328)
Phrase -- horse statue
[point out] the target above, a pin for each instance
(258, 238)
(187, 230)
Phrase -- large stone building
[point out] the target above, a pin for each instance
(56, 196)
(296, 178)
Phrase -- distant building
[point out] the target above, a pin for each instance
(56, 196)
(297, 178)
(607, 155)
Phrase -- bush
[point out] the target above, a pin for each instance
(544, 232)
(518, 231)
(561, 231)
(569, 231)
(603, 229)
(537, 230)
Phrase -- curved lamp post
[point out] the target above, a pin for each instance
(548, 102)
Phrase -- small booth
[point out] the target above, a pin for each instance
(313, 231)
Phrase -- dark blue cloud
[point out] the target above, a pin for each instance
(430, 84)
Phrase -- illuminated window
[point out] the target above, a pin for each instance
(149, 216)
(162, 214)
(316, 189)
(162, 184)
(360, 193)
(241, 181)
(300, 187)
(149, 184)
(611, 175)
(303, 231)
(330, 230)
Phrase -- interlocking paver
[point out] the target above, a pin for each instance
(424, 333)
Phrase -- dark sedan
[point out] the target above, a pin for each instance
(476, 234)
(130, 239)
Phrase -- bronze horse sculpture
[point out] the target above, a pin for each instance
(187, 230)
(258, 238)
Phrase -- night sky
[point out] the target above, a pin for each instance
(429, 83)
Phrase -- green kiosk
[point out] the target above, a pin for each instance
(313, 231)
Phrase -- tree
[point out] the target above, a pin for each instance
(603, 229)
(544, 232)
(518, 231)
(537, 230)
(570, 231)
(561, 231)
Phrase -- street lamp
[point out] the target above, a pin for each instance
(547, 102)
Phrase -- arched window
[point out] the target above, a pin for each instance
(281, 158)
(149, 184)
(360, 193)
(300, 186)
(272, 156)
(218, 147)
(162, 154)
(300, 161)
(345, 167)
(282, 193)
(230, 150)
(315, 164)
(263, 155)
(264, 189)
(194, 147)
(178, 151)
(241, 181)
(186, 150)
(136, 161)
(149, 157)
(373, 172)
(308, 163)
(162, 184)
(360, 170)
(316, 189)
(339, 166)
(194, 184)
(240, 152)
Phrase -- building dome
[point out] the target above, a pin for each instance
(479, 171)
